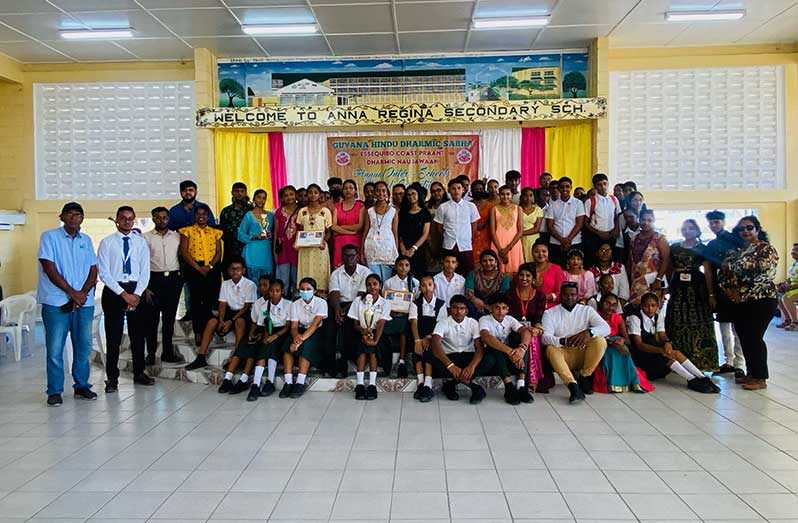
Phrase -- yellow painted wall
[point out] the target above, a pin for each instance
(777, 209)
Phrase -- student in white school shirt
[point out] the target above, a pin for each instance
(564, 219)
(457, 219)
(458, 352)
(602, 218)
(305, 346)
(236, 296)
(425, 313)
(448, 282)
(370, 313)
(396, 329)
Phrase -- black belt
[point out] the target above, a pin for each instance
(165, 274)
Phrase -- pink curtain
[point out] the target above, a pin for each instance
(277, 164)
(533, 155)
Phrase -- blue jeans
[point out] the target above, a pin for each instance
(383, 271)
(287, 273)
(57, 324)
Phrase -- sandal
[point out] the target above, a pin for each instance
(784, 324)
(791, 327)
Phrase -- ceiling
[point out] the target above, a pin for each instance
(170, 29)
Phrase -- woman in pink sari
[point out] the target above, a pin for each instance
(527, 305)
(348, 220)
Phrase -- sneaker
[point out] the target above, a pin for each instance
(511, 394)
(524, 396)
(401, 371)
(297, 390)
(371, 392)
(450, 390)
(172, 358)
(111, 386)
(267, 389)
(226, 386)
(85, 394)
(239, 387)
(286, 392)
(427, 394)
(576, 393)
(700, 385)
(477, 394)
(150, 359)
(54, 400)
(360, 392)
(419, 392)
(198, 363)
(254, 393)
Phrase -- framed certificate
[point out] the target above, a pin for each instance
(309, 239)
(400, 300)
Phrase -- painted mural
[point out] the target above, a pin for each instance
(259, 83)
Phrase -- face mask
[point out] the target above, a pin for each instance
(306, 295)
(335, 193)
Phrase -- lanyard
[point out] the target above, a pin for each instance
(524, 303)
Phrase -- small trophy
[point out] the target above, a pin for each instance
(264, 226)
(368, 316)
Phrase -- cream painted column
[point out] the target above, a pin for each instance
(205, 88)
(600, 87)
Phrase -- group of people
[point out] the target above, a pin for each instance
(476, 279)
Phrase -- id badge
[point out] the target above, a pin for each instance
(685, 276)
(378, 237)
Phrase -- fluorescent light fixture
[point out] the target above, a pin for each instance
(97, 34)
(704, 16)
(273, 29)
(509, 23)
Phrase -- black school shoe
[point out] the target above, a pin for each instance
(297, 390)
(576, 393)
(477, 394)
(239, 387)
(198, 363)
(401, 371)
(85, 394)
(702, 385)
(360, 392)
(286, 390)
(111, 386)
(511, 394)
(450, 390)
(226, 386)
(371, 392)
(419, 392)
(524, 396)
(427, 394)
(54, 400)
(143, 379)
(586, 384)
(267, 389)
(254, 393)
(712, 384)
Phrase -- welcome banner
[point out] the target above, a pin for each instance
(403, 159)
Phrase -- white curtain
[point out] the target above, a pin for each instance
(306, 153)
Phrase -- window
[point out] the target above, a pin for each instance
(669, 221)
(698, 129)
(110, 141)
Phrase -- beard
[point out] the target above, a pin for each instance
(189, 200)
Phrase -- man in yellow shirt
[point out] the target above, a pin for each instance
(201, 249)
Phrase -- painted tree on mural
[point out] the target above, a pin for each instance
(531, 86)
(573, 83)
(233, 89)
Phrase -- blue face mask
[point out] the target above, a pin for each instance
(306, 295)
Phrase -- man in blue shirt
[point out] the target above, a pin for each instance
(67, 276)
(182, 214)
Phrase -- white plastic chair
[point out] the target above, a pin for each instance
(18, 316)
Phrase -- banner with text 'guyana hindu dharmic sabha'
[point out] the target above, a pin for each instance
(403, 159)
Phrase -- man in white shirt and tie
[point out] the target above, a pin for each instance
(163, 292)
(457, 220)
(123, 261)
(574, 336)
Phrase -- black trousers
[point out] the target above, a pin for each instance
(751, 320)
(115, 311)
(465, 260)
(493, 363)
(338, 337)
(166, 290)
(203, 295)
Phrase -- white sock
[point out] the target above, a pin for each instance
(244, 378)
(372, 378)
(681, 371)
(520, 384)
(401, 361)
(228, 375)
(428, 381)
(289, 378)
(360, 375)
(258, 375)
(692, 369)
(272, 369)
(420, 378)
(300, 378)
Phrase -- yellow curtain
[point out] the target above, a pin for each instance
(242, 157)
(568, 153)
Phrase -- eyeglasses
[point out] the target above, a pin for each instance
(746, 228)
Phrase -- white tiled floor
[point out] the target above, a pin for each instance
(183, 452)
